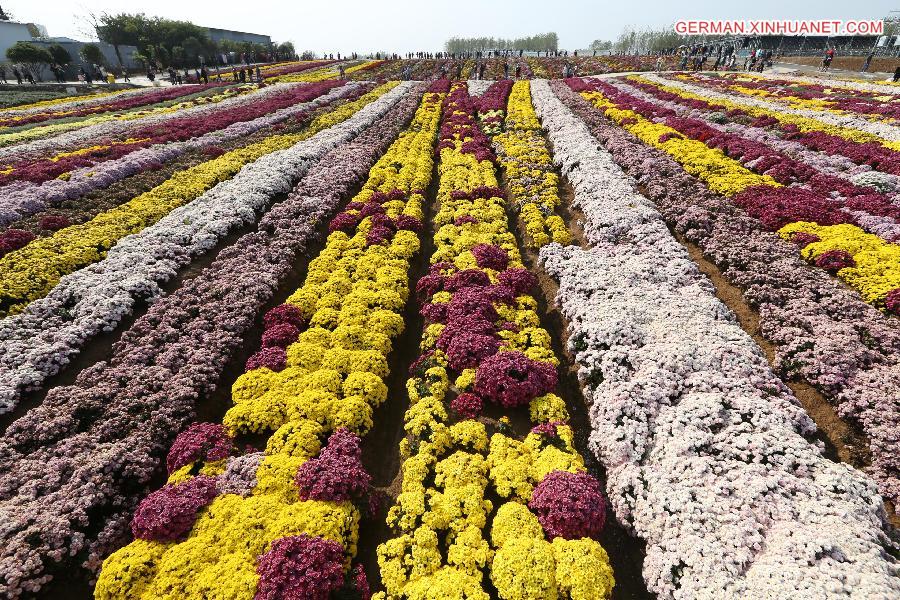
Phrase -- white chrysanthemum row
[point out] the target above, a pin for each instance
(703, 444)
(478, 86)
(21, 199)
(69, 139)
(38, 342)
(883, 130)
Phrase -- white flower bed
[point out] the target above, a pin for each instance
(38, 342)
(703, 444)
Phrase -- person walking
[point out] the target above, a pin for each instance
(258, 74)
(868, 62)
(340, 71)
(88, 77)
(204, 74)
(172, 77)
(518, 71)
(505, 70)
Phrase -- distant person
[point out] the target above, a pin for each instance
(29, 77)
(124, 74)
(659, 63)
(88, 77)
(197, 75)
(2, 73)
(518, 71)
(110, 78)
(151, 75)
(204, 74)
(340, 71)
(868, 62)
(826, 60)
(172, 77)
(242, 76)
(258, 74)
(505, 70)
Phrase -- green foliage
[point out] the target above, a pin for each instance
(23, 52)
(92, 54)
(59, 54)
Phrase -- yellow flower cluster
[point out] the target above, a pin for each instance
(30, 272)
(877, 270)
(442, 514)
(804, 124)
(353, 294)
(528, 169)
(723, 175)
(40, 131)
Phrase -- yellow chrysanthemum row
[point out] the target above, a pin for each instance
(722, 174)
(876, 272)
(353, 295)
(532, 183)
(31, 272)
(442, 514)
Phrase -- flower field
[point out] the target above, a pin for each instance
(396, 335)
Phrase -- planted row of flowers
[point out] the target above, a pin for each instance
(287, 525)
(530, 179)
(853, 145)
(115, 104)
(850, 128)
(821, 331)
(484, 351)
(872, 267)
(807, 95)
(179, 129)
(65, 125)
(40, 341)
(91, 447)
(762, 130)
(693, 426)
(70, 137)
(71, 101)
(30, 272)
(98, 167)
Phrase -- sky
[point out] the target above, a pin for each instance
(410, 25)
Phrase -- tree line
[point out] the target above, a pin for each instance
(168, 42)
(534, 43)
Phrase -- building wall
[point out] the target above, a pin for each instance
(237, 36)
(10, 33)
(109, 53)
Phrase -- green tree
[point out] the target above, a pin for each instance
(92, 54)
(33, 57)
(119, 30)
(59, 54)
(286, 51)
